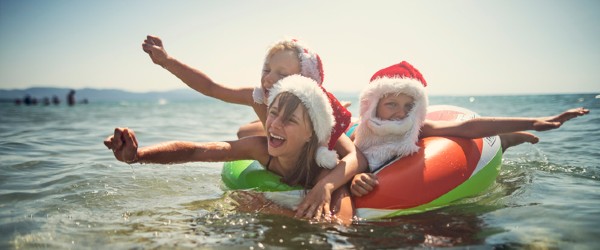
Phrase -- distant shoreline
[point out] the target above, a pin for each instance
(10, 95)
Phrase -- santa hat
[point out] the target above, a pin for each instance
(380, 140)
(310, 65)
(329, 118)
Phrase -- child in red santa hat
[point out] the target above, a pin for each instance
(392, 119)
(285, 58)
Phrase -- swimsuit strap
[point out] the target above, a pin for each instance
(269, 162)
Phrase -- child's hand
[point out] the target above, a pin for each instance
(253, 202)
(123, 144)
(154, 47)
(316, 203)
(363, 183)
(557, 121)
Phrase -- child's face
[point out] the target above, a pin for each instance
(394, 107)
(287, 136)
(281, 64)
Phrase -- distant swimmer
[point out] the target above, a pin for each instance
(55, 100)
(71, 98)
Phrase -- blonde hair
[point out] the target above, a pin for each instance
(306, 169)
(281, 46)
(310, 62)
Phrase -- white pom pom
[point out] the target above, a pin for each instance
(258, 95)
(326, 158)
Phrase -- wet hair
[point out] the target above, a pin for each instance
(306, 169)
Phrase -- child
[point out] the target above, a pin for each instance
(299, 122)
(285, 58)
(392, 119)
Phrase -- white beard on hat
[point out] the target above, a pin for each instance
(382, 140)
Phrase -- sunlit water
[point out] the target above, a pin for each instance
(60, 188)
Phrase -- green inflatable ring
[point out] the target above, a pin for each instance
(250, 174)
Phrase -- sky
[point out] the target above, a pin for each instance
(461, 47)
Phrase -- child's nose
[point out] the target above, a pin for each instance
(270, 79)
(399, 115)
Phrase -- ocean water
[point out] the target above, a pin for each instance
(60, 188)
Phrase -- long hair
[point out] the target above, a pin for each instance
(306, 169)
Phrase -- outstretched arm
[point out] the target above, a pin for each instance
(317, 201)
(489, 126)
(195, 78)
(125, 148)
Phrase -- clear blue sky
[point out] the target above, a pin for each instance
(461, 47)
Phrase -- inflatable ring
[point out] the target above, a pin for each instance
(250, 174)
(445, 169)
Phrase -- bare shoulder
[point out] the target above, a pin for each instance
(254, 147)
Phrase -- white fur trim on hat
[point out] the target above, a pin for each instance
(259, 96)
(326, 158)
(319, 110)
(379, 140)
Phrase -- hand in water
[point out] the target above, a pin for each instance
(123, 144)
(316, 203)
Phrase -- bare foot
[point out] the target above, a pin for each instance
(513, 139)
(556, 121)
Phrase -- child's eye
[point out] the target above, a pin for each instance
(391, 104)
(273, 112)
(409, 107)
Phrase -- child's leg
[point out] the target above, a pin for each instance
(513, 139)
(251, 129)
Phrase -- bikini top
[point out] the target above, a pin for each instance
(269, 162)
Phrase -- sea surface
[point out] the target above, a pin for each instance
(60, 188)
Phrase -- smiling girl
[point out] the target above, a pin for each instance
(299, 124)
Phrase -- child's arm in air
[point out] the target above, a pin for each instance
(195, 78)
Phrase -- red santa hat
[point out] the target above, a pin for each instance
(382, 140)
(329, 118)
(310, 64)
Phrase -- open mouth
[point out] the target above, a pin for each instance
(275, 140)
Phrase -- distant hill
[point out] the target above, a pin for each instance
(93, 95)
